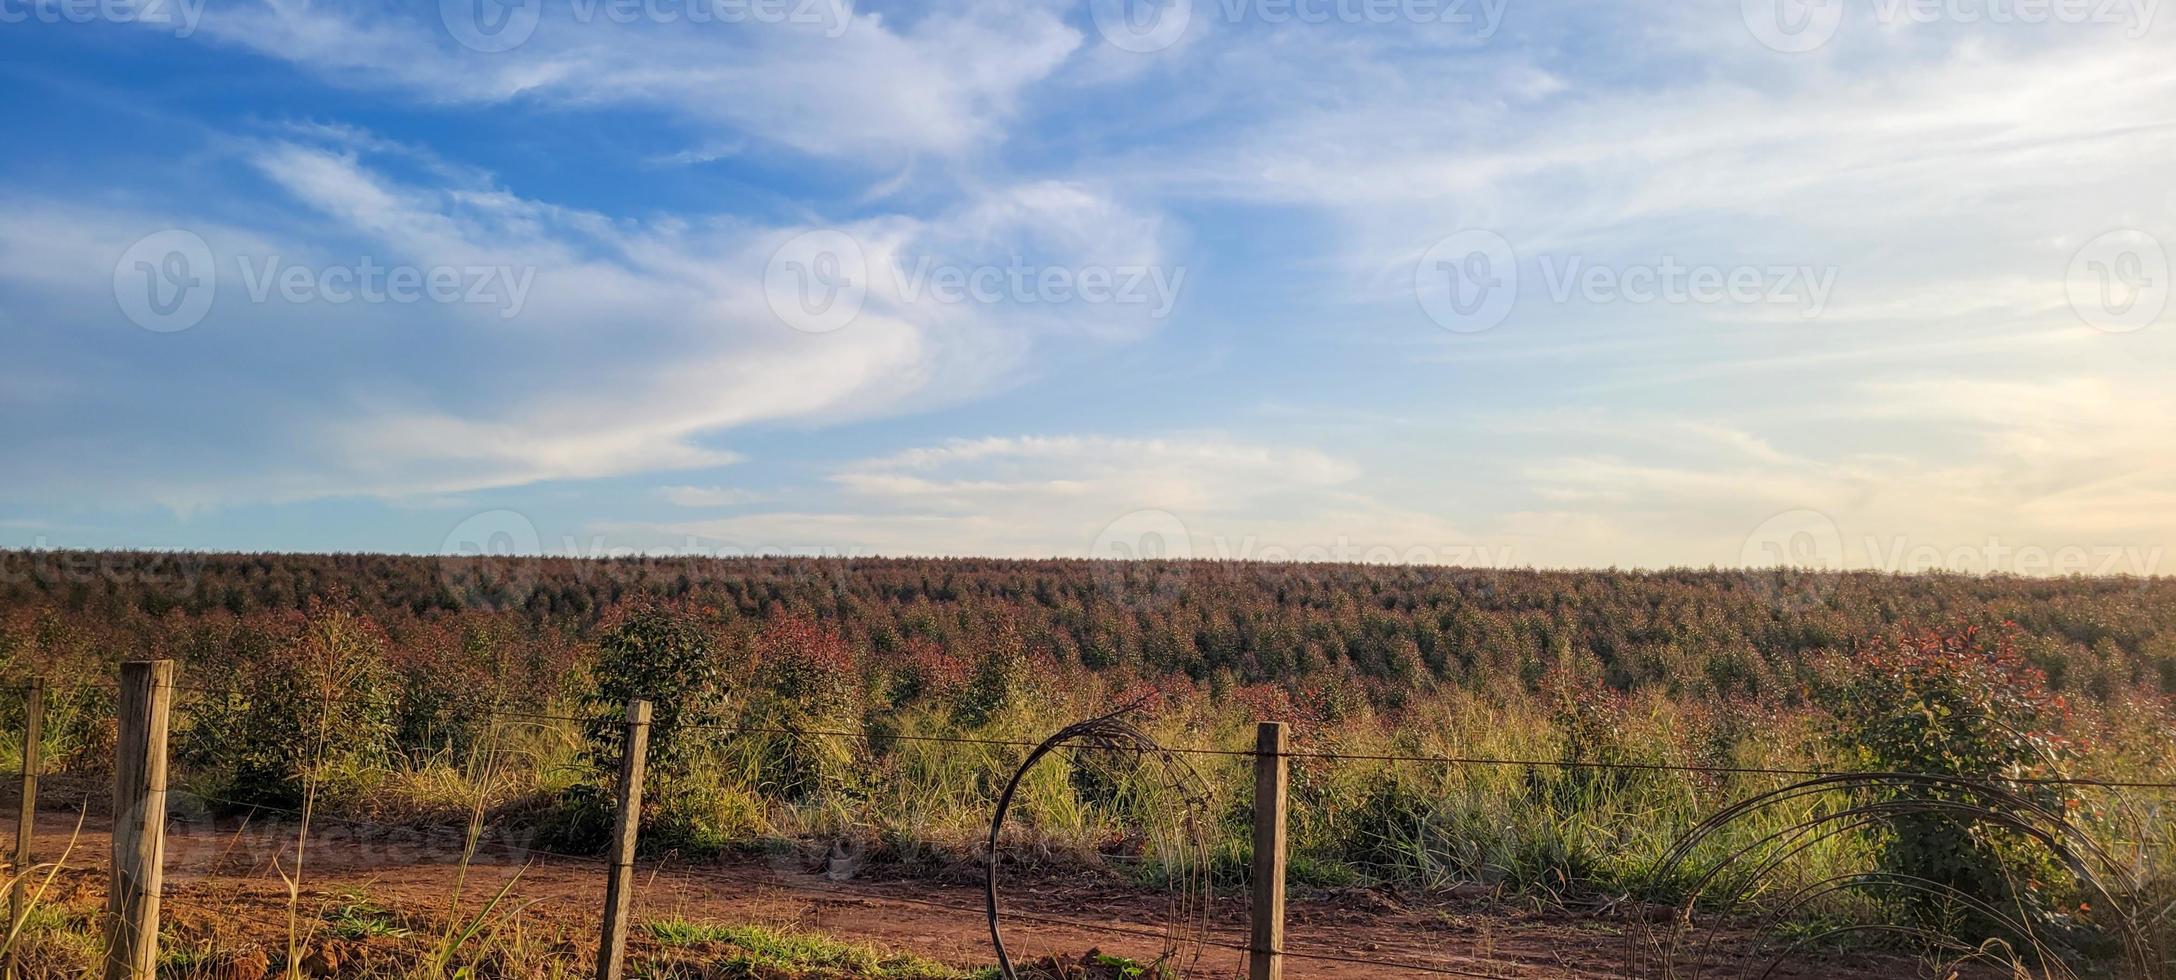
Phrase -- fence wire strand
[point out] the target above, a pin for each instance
(460, 838)
(2089, 781)
(468, 841)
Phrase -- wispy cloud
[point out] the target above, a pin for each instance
(847, 84)
(650, 182)
(689, 496)
(636, 345)
(1206, 495)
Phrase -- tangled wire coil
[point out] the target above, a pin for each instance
(1183, 833)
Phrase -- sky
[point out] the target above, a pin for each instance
(1840, 283)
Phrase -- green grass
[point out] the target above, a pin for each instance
(1127, 968)
(58, 940)
(761, 951)
(358, 918)
(1385, 816)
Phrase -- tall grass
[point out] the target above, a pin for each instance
(1370, 803)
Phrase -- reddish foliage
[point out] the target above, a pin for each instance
(1958, 700)
(926, 669)
(798, 643)
(1269, 702)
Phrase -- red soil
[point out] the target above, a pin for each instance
(221, 881)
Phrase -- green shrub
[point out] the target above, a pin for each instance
(1956, 703)
(285, 706)
(698, 817)
(805, 680)
(662, 654)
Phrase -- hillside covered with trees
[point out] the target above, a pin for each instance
(1381, 631)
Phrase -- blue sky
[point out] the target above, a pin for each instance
(1871, 284)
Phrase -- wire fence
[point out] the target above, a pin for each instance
(667, 870)
(2102, 782)
(230, 838)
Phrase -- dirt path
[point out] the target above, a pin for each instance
(222, 877)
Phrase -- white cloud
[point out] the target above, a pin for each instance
(637, 346)
(941, 82)
(1947, 174)
(690, 496)
(1948, 178)
(1041, 496)
(1103, 472)
(1945, 463)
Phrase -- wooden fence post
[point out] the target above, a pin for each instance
(618, 889)
(1265, 960)
(27, 814)
(139, 820)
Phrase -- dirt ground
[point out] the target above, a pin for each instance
(221, 875)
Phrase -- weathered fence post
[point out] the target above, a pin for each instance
(1265, 959)
(27, 814)
(139, 820)
(618, 888)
